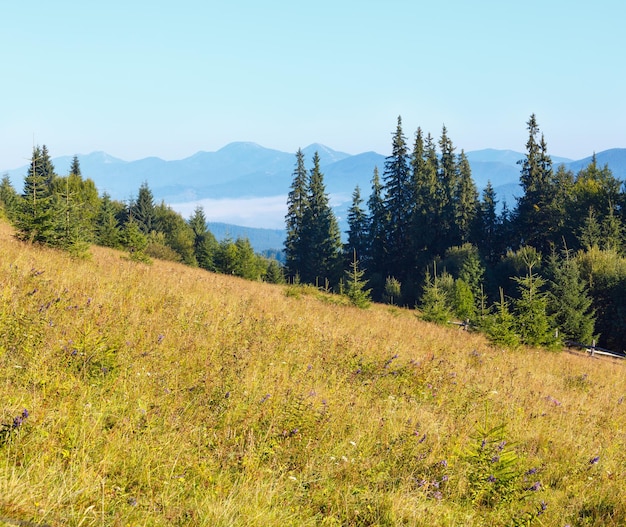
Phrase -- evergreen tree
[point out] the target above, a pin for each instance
(179, 236)
(375, 263)
(135, 242)
(75, 167)
(36, 218)
(9, 199)
(448, 178)
(536, 221)
(356, 292)
(569, 302)
(320, 234)
(143, 210)
(465, 201)
(435, 301)
(612, 231)
(274, 273)
(357, 227)
(398, 204)
(590, 231)
(297, 204)
(204, 244)
(500, 325)
(487, 226)
(425, 211)
(107, 229)
(531, 308)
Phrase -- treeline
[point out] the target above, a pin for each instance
(67, 212)
(549, 269)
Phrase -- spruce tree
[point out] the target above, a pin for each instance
(425, 209)
(487, 226)
(143, 210)
(356, 285)
(536, 219)
(398, 204)
(532, 322)
(9, 198)
(448, 182)
(465, 201)
(75, 167)
(36, 219)
(107, 228)
(375, 264)
(435, 301)
(320, 234)
(357, 228)
(297, 204)
(569, 301)
(204, 244)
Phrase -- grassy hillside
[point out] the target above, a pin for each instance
(164, 395)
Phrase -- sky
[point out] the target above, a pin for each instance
(139, 78)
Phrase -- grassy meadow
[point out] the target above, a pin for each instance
(161, 395)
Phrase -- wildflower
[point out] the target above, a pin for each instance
(491, 479)
(501, 446)
(495, 459)
(422, 439)
(483, 444)
(265, 397)
(160, 339)
(444, 478)
(443, 463)
(535, 487)
(437, 495)
(543, 508)
(594, 460)
(531, 471)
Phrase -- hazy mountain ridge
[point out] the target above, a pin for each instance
(248, 171)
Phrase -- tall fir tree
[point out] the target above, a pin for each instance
(487, 226)
(425, 212)
(376, 256)
(398, 203)
(320, 234)
(534, 217)
(357, 229)
(75, 167)
(108, 232)
(297, 204)
(36, 219)
(143, 210)
(569, 301)
(9, 198)
(465, 201)
(448, 178)
(204, 245)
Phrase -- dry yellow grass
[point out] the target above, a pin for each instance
(164, 395)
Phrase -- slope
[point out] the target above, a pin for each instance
(165, 395)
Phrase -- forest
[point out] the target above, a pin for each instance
(547, 269)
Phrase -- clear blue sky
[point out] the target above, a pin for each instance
(168, 78)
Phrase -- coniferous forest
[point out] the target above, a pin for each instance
(544, 270)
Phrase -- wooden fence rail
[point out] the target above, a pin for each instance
(595, 350)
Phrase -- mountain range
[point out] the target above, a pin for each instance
(245, 185)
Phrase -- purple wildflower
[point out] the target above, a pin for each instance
(543, 508)
(536, 486)
(531, 471)
(160, 339)
(491, 479)
(443, 463)
(265, 397)
(437, 495)
(501, 446)
(444, 478)
(422, 439)
(495, 459)
(594, 460)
